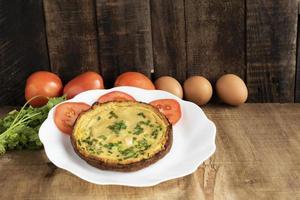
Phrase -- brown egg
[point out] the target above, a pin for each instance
(169, 84)
(231, 89)
(198, 90)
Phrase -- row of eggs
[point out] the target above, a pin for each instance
(230, 88)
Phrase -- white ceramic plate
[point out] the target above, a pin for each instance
(193, 142)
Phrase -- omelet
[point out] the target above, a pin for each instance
(122, 135)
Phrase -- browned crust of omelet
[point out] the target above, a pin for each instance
(128, 167)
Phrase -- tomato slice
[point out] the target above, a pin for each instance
(66, 114)
(169, 107)
(115, 96)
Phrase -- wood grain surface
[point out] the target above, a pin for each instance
(168, 38)
(23, 47)
(124, 34)
(72, 37)
(297, 81)
(254, 39)
(215, 38)
(271, 50)
(257, 157)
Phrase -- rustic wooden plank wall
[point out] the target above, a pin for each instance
(297, 85)
(23, 47)
(168, 38)
(271, 50)
(124, 32)
(72, 37)
(253, 39)
(215, 38)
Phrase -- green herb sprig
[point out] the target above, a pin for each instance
(19, 129)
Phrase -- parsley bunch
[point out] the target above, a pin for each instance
(19, 129)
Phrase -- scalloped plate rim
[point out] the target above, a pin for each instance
(210, 147)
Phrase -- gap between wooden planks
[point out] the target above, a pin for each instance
(257, 157)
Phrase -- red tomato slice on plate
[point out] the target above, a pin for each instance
(115, 96)
(169, 107)
(66, 114)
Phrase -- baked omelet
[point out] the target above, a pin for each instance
(122, 135)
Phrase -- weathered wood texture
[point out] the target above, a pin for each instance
(215, 38)
(257, 157)
(253, 39)
(271, 50)
(22, 47)
(297, 86)
(168, 38)
(257, 148)
(72, 36)
(297, 81)
(124, 33)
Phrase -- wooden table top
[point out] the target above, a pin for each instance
(257, 157)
